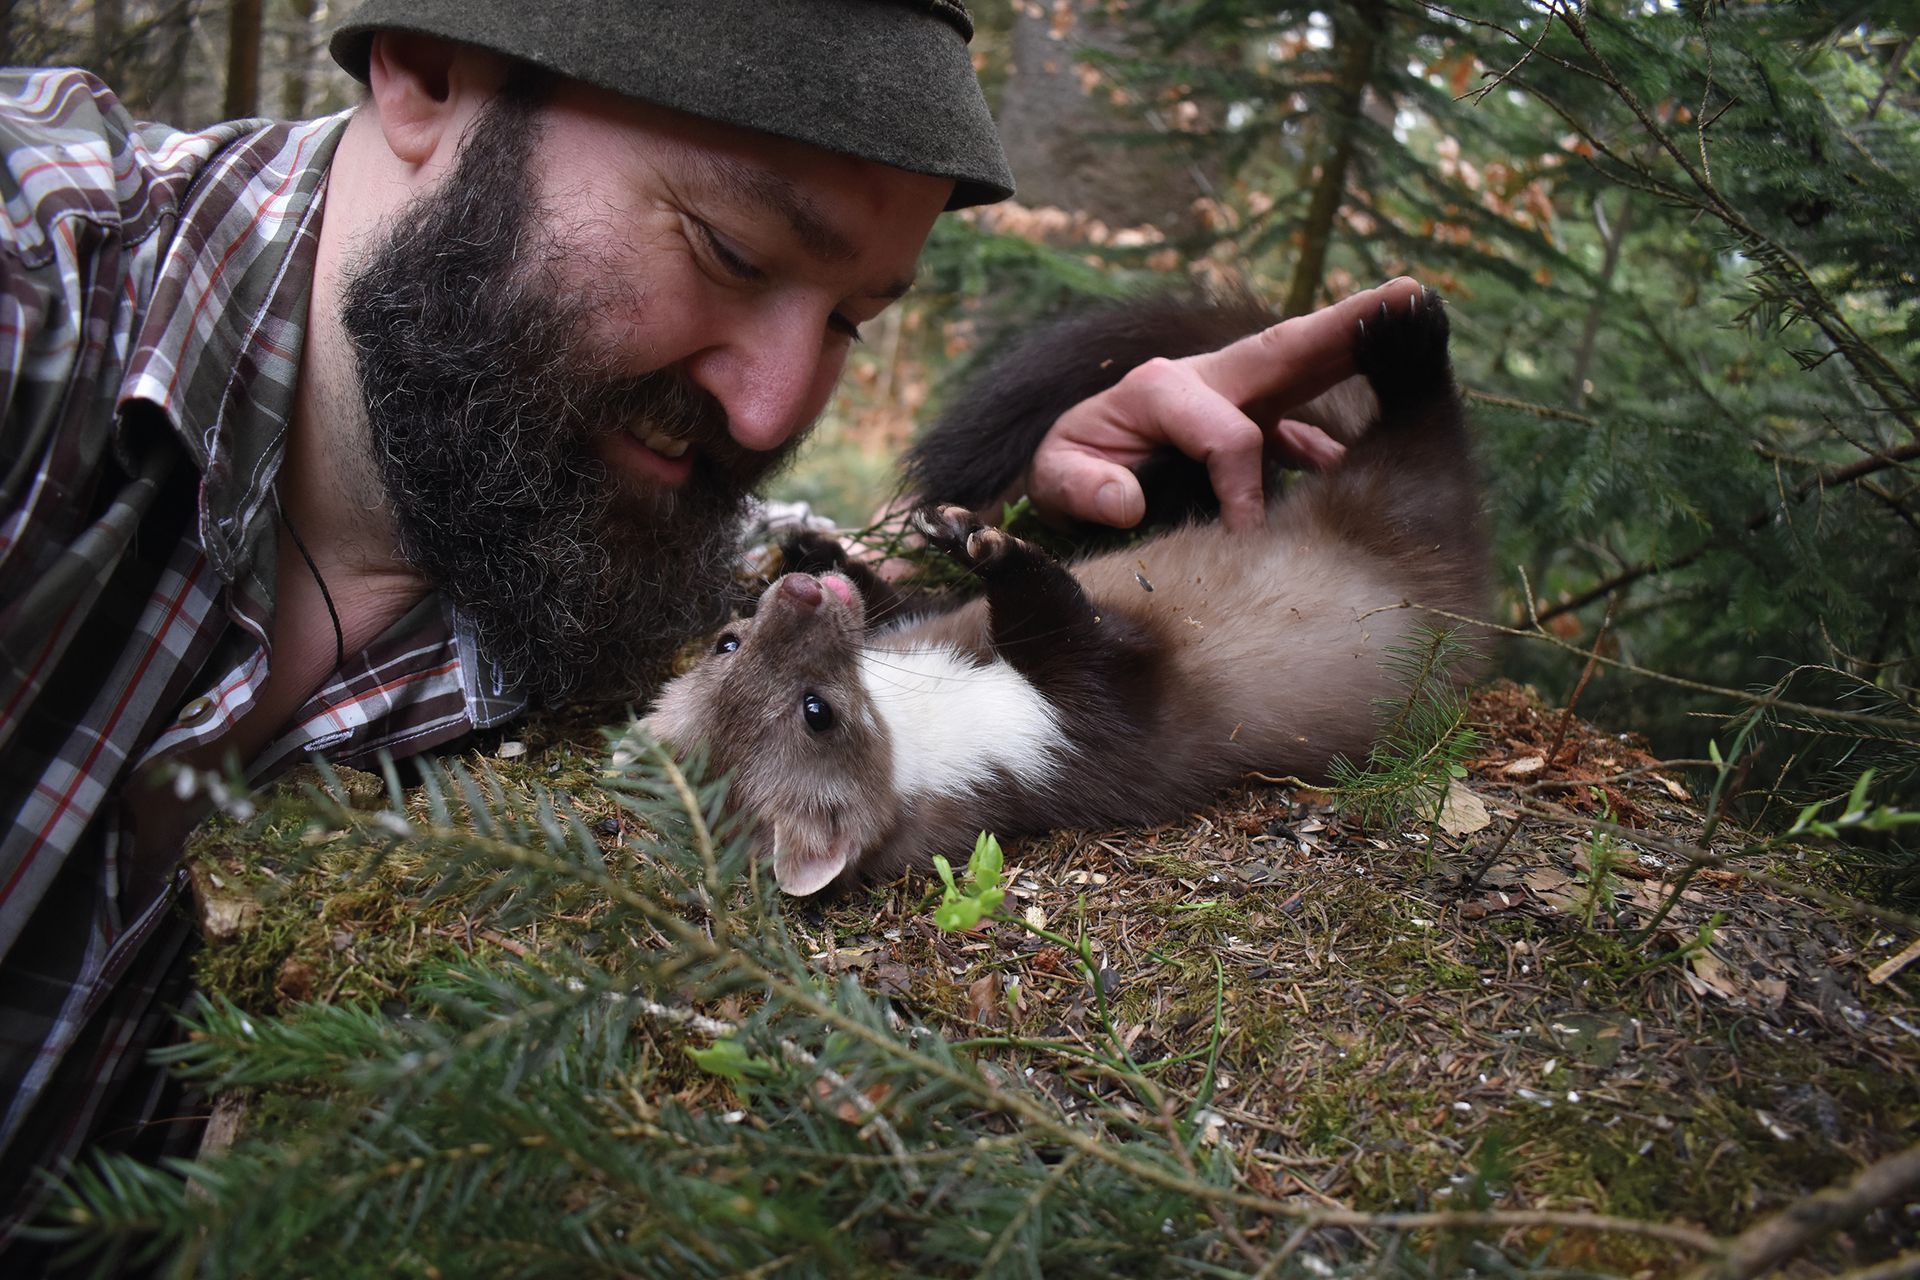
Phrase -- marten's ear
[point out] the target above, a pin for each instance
(806, 858)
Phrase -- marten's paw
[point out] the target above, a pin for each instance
(810, 552)
(1403, 349)
(959, 533)
(819, 553)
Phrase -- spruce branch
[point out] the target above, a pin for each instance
(1852, 473)
(509, 1089)
(1887, 727)
(1424, 743)
(1874, 369)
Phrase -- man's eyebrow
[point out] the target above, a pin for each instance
(771, 191)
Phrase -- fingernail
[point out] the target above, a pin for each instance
(1110, 504)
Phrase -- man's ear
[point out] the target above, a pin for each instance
(425, 89)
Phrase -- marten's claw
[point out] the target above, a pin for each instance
(986, 545)
(949, 528)
(976, 546)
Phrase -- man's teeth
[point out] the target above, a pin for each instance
(665, 445)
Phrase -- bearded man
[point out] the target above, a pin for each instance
(358, 434)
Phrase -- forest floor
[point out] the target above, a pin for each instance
(1395, 1031)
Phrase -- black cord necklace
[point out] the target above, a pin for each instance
(339, 637)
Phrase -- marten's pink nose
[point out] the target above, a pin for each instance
(801, 588)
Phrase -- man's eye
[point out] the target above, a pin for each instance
(730, 261)
(739, 268)
(727, 643)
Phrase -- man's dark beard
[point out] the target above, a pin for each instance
(484, 403)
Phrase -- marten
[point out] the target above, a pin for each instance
(1122, 689)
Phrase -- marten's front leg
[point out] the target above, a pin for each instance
(1039, 618)
(817, 553)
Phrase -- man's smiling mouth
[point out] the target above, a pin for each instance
(661, 443)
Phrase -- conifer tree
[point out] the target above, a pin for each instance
(1680, 245)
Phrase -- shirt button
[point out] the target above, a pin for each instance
(195, 712)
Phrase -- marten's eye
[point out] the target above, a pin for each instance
(727, 643)
(819, 714)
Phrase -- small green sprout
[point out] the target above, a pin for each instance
(961, 909)
(730, 1060)
(1855, 815)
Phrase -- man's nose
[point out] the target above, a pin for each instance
(772, 379)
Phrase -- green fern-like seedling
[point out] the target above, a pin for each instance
(1424, 745)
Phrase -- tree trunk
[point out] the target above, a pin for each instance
(243, 59)
(1359, 36)
(1614, 236)
(1051, 124)
(172, 32)
(108, 18)
(293, 95)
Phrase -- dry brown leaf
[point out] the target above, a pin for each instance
(857, 958)
(1708, 973)
(1674, 789)
(1482, 907)
(294, 982)
(845, 1109)
(983, 999)
(1463, 813)
(892, 978)
(1553, 887)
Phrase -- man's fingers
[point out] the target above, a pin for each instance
(1081, 468)
(1072, 480)
(1197, 405)
(1239, 483)
(1297, 359)
(1307, 444)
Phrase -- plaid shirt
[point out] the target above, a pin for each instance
(153, 303)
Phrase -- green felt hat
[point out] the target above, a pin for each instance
(884, 80)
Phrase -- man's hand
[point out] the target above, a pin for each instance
(1208, 407)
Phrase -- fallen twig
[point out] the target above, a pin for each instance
(1761, 1248)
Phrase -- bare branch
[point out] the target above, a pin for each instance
(1760, 1249)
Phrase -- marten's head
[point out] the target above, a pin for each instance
(780, 702)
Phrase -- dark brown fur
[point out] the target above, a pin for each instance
(1167, 669)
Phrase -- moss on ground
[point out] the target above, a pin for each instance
(1389, 1037)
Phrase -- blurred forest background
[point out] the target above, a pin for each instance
(1679, 242)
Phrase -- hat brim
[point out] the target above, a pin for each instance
(887, 82)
